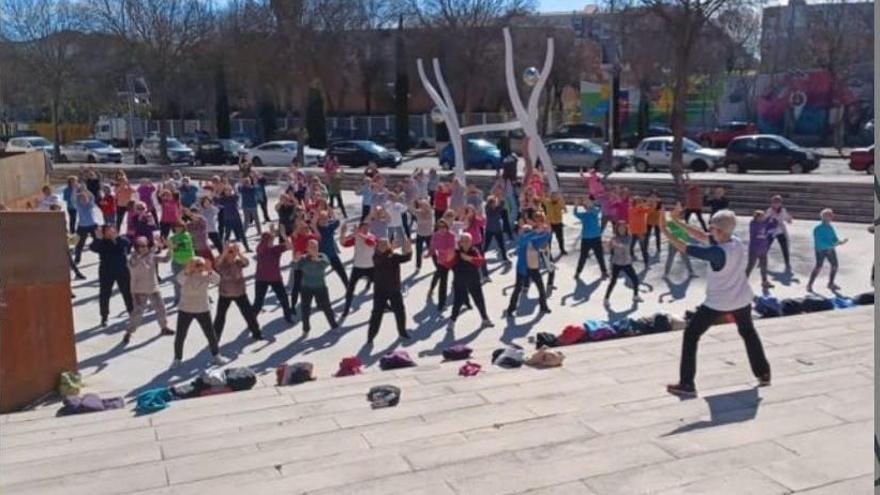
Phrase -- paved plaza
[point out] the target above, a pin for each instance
(602, 424)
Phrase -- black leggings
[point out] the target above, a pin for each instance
(698, 213)
(700, 322)
(629, 271)
(184, 319)
(322, 299)
(441, 277)
(783, 244)
(356, 274)
(295, 287)
(238, 229)
(71, 221)
(460, 291)
(260, 288)
(244, 306)
(642, 240)
(560, 237)
(522, 282)
(499, 240)
(264, 205)
(336, 265)
(339, 203)
(216, 241)
(594, 245)
(422, 241)
(654, 229)
(120, 212)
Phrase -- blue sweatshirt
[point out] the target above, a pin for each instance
(536, 240)
(590, 225)
(824, 237)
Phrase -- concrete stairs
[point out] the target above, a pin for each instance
(601, 424)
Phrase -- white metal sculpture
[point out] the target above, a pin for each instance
(526, 116)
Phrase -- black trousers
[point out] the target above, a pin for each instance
(123, 283)
(783, 244)
(356, 274)
(71, 221)
(499, 240)
(365, 210)
(322, 299)
(73, 266)
(699, 213)
(642, 241)
(441, 277)
(260, 288)
(595, 246)
(381, 301)
(336, 265)
(701, 321)
(83, 233)
(560, 236)
(264, 205)
(522, 282)
(422, 241)
(460, 291)
(339, 203)
(295, 288)
(627, 270)
(184, 320)
(244, 306)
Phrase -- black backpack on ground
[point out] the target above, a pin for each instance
(814, 304)
(792, 306)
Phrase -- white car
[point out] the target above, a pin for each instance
(655, 153)
(29, 143)
(281, 154)
(90, 151)
(150, 151)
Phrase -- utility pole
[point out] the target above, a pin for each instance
(129, 81)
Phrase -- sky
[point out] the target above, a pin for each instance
(561, 5)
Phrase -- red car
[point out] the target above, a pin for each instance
(722, 135)
(862, 159)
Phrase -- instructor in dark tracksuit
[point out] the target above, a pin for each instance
(386, 286)
(727, 292)
(113, 268)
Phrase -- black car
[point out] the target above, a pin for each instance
(768, 152)
(586, 130)
(210, 152)
(633, 140)
(359, 153)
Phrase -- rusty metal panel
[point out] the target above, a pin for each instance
(33, 248)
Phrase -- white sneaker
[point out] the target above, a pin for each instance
(488, 323)
(175, 364)
(219, 360)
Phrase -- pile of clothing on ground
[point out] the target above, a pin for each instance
(596, 330)
(771, 307)
(210, 382)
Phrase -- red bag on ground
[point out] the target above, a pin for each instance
(572, 334)
(350, 366)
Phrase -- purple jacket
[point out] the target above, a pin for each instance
(759, 239)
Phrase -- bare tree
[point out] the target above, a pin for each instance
(685, 22)
(47, 40)
(160, 35)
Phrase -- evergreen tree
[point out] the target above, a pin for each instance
(221, 103)
(401, 93)
(316, 125)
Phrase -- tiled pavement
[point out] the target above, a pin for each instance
(601, 425)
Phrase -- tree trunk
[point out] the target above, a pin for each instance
(56, 131)
(679, 107)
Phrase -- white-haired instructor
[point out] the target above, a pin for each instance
(727, 291)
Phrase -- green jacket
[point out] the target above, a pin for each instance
(183, 248)
(314, 272)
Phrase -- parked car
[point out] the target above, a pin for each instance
(232, 149)
(192, 138)
(358, 153)
(281, 154)
(479, 154)
(389, 139)
(768, 152)
(29, 143)
(722, 135)
(585, 130)
(150, 151)
(210, 152)
(342, 134)
(862, 159)
(576, 154)
(245, 139)
(656, 154)
(633, 140)
(90, 151)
